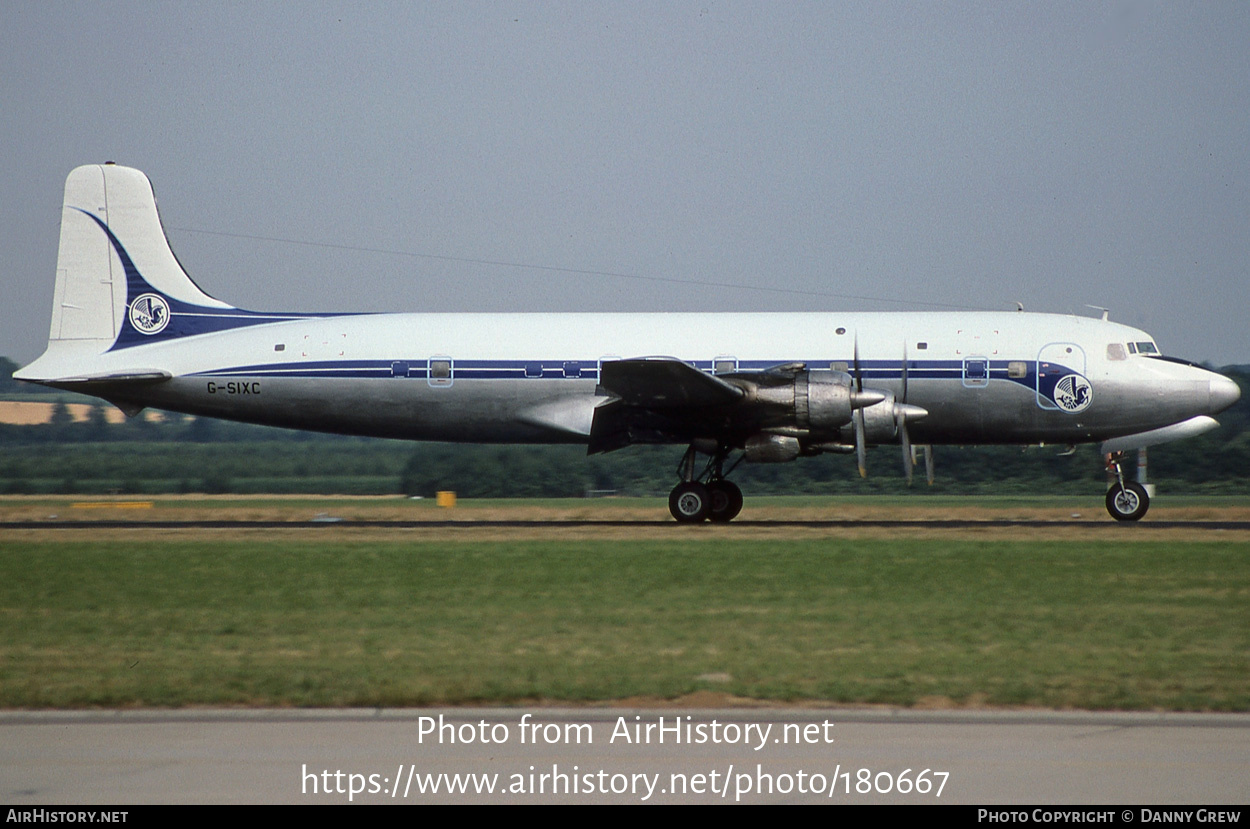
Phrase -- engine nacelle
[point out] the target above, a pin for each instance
(811, 405)
(822, 400)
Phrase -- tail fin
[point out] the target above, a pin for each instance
(117, 281)
(113, 249)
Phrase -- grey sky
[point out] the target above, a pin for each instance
(956, 154)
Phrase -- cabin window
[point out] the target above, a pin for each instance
(280, 347)
(572, 368)
(533, 369)
(440, 371)
(725, 365)
(399, 368)
(1017, 369)
(922, 346)
(839, 366)
(1115, 351)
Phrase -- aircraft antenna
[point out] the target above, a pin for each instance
(706, 283)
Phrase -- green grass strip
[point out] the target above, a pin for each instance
(1091, 625)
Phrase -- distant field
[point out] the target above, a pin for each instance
(336, 617)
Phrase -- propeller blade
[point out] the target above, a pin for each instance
(904, 398)
(900, 418)
(861, 452)
(859, 377)
(860, 400)
(928, 463)
(908, 459)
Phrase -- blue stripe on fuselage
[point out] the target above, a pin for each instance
(588, 369)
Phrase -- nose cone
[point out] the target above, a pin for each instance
(1224, 393)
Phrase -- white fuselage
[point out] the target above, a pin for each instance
(533, 377)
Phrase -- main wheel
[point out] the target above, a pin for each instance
(726, 500)
(689, 502)
(1128, 502)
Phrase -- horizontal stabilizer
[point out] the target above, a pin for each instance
(665, 382)
(88, 383)
(117, 388)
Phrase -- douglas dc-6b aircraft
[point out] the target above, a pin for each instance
(130, 326)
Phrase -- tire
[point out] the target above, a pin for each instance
(689, 503)
(1127, 503)
(725, 501)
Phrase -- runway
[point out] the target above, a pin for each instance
(921, 524)
(625, 755)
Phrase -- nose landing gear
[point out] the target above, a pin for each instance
(1126, 500)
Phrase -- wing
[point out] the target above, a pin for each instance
(665, 382)
(658, 400)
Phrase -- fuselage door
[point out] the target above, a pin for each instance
(1055, 362)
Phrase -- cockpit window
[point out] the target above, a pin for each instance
(1115, 351)
(1147, 348)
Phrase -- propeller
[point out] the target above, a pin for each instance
(928, 463)
(902, 412)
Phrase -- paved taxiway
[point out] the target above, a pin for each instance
(292, 756)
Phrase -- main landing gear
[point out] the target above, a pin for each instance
(708, 496)
(1126, 500)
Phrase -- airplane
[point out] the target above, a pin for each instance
(129, 326)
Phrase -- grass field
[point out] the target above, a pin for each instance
(336, 617)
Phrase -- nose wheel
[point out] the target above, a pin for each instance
(1126, 500)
